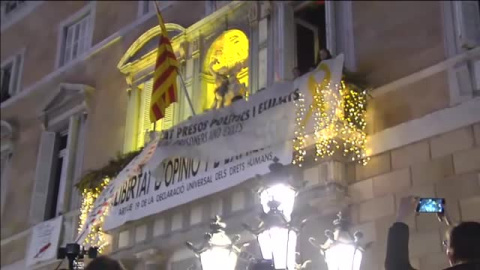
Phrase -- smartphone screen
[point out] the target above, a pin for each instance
(431, 205)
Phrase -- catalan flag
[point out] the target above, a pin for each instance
(164, 91)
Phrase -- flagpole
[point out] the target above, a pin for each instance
(180, 75)
(186, 91)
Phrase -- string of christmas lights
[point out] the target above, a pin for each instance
(300, 136)
(339, 113)
(96, 237)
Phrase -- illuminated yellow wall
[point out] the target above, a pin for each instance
(230, 48)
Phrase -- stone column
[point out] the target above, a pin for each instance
(253, 46)
(152, 259)
(196, 81)
(265, 44)
(326, 187)
(285, 41)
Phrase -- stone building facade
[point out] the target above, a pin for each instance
(75, 74)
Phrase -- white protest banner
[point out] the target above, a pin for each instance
(102, 203)
(266, 120)
(184, 180)
(44, 241)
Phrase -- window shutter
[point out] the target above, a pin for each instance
(167, 121)
(148, 102)
(132, 117)
(79, 156)
(82, 36)
(76, 39)
(68, 45)
(16, 74)
(66, 187)
(468, 24)
(144, 121)
(42, 178)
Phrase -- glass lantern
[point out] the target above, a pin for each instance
(283, 194)
(276, 237)
(278, 245)
(342, 250)
(218, 252)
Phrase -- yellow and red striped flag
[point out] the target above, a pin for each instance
(164, 91)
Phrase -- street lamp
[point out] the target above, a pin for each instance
(275, 234)
(276, 237)
(342, 250)
(218, 251)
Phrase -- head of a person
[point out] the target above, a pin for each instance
(463, 243)
(104, 263)
(296, 72)
(325, 54)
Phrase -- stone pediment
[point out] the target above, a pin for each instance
(66, 97)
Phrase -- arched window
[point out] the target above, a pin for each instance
(229, 52)
(138, 66)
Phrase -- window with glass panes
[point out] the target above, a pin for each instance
(75, 39)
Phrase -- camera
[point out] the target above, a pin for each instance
(74, 253)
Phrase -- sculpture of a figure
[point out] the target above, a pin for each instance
(237, 89)
(227, 86)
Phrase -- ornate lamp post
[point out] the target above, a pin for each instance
(218, 251)
(342, 250)
(276, 237)
(275, 234)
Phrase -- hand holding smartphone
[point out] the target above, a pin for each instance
(431, 205)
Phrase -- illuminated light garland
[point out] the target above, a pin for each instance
(96, 237)
(300, 136)
(339, 114)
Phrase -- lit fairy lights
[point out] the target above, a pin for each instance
(339, 114)
(96, 237)
(300, 136)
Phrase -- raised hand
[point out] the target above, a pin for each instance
(406, 207)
